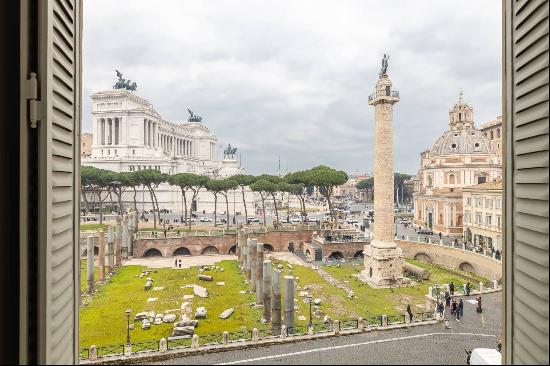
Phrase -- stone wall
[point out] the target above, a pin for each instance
(453, 258)
(277, 241)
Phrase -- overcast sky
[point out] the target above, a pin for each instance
(291, 78)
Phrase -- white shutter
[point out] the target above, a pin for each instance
(59, 129)
(526, 77)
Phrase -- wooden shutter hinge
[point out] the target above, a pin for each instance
(31, 95)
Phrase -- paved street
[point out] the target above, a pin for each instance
(432, 344)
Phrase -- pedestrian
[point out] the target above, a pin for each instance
(440, 308)
(468, 289)
(479, 309)
(440, 235)
(409, 311)
(447, 299)
(454, 308)
(461, 308)
(452, 288)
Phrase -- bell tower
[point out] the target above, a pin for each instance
(462, 115)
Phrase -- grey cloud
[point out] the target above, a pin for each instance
(291, 79)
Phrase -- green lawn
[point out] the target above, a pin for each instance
(103, 321)
(92, 226)
(395, 300)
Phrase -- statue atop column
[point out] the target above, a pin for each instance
(193, 117)
(123, 83)
(383, 71)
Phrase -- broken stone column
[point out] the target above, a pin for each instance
(110, 249)
(276, 301)
(289, 304)
(124, 243)
(259, 273)
(248, 258)
(130, 234)
(267, 290)
(253, 250)
(118, 241)
(238, 248)
(101, 254)
(90, 263)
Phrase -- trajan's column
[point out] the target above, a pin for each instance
(383, 259)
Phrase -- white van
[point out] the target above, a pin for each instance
(485, 356)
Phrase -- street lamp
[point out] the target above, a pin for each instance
(128, 312)
(310, 299)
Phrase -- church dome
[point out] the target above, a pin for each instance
(463, 141)
(462, 138)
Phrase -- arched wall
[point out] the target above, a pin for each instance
(484, 266)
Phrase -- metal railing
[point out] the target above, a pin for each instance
(247, 335)
(322, 327)
(208, 339)
(396, 319)
(113, 350)
(384, 93)
(297, 330)
(146, 346)
(178, 343)
(241, 336)
(349, 324)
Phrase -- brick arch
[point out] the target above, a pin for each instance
(152, 252)
(181, 251)
(423, 257)
(358, 254)
(233, 249)
(467, 267)
(209, 250)
(336, 255)
(268, 248)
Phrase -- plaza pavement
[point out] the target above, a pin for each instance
(429, 344)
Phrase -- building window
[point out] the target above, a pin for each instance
(478, 218)
(452, 179)
(479, 202)
(116, 152)
(488, 220)
(132, 168)
(489, 202)
(469, 201)
(498, 203)
(133, 151)
(466, 216)
(108, 151)
(499, 222)
(498, 133)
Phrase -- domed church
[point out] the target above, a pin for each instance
(461, 157)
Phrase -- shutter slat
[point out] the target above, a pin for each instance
(533, 258)
(535, 118)
(536, 96)
(532, 222)
(538, 288)
(532, 191)
(535, 175)
(534, 144)
(533, 160)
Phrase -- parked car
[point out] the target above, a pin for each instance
(295, 220)
(253, 219)
(205, 219)
(311, 219)
(427, 231)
